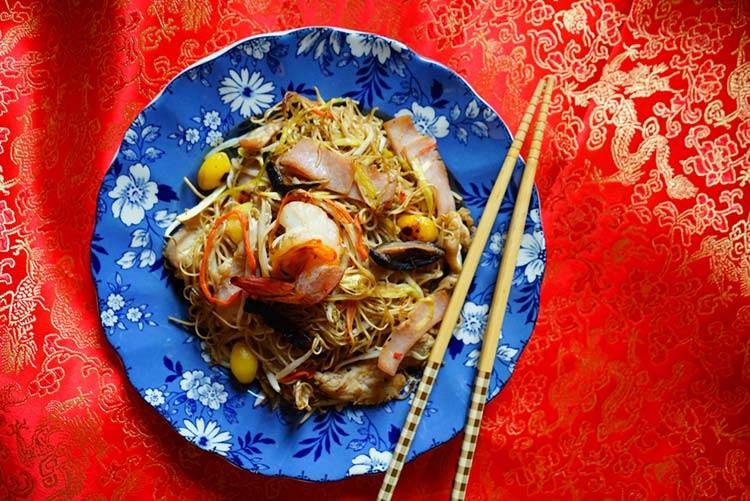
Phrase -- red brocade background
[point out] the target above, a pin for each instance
(636, 381)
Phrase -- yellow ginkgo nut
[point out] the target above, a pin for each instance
(243, 363)
(416, 227)
(213, 170)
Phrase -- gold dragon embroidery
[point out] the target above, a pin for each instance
(17, 313)
(738, 86)
(612, 97)
(25, 25)
(69, 429)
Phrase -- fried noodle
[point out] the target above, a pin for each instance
(302, 345)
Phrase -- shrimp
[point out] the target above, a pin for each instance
(305, 260)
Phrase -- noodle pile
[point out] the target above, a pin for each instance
(323, 354)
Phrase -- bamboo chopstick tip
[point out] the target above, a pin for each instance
(549, 85)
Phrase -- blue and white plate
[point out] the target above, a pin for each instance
(143, 191)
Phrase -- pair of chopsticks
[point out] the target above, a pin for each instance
(497, 308)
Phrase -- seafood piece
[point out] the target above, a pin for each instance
(303, 222)
(311, 160)
(360, 383)
(257, 138)
(406, 256)
(421, 152)
(185, 244)
(405, 335)
(305, 259)
(454, 237)
(222, 274)
(179, 250)
(302, 394)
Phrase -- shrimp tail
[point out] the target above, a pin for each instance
(266, 288)
(311, 287)
(315, 284)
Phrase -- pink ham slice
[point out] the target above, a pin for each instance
(406, 334)
(311, 160)
(385, 185)
(421, 150)
(400, 132)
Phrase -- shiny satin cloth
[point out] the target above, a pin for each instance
(636, 381)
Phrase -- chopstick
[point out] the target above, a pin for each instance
(499, 301)
(453, 310)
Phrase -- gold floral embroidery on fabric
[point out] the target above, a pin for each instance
(652, 105)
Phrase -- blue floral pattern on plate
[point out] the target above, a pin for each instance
(143, 191)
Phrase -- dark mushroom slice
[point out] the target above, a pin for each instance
(406, 256)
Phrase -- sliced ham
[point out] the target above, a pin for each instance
(311, 160)
(405, 335)
(400, 132)
(385, 186)
(418, 147)
(437, 175)
(421, 151)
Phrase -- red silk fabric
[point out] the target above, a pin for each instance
(636, 381)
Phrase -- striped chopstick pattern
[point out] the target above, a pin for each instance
(473, 423)
(410, 427)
